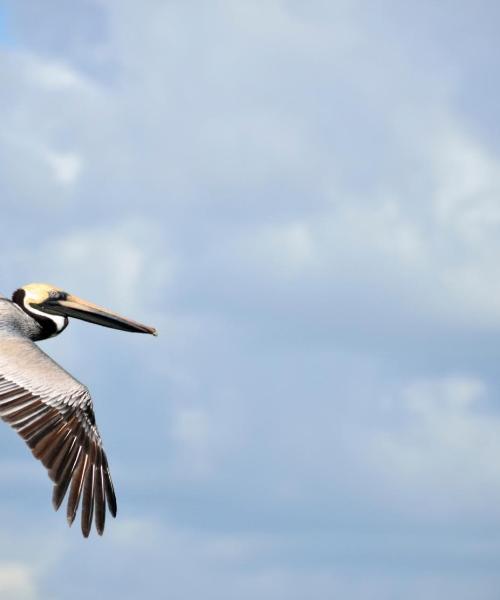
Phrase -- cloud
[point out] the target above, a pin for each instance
(17, 582)
(58, 76)
(129, 262)
(34, 138)
(66, 167)
(443, 443)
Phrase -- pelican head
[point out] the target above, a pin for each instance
(51, 307)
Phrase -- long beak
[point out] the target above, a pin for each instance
(71, 306)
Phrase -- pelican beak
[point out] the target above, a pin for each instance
(72, 306)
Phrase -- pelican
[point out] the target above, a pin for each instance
(49, 408)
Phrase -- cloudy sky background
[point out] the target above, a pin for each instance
(304, 198)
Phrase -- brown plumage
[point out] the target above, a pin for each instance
(64, 438)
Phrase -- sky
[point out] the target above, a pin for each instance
(304, 199)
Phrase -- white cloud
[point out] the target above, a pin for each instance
(129, 262)
(57, 76)
(17, 581)
(434, 260)
(33, 139)
(442, 452)
(464, 239)
(288, 26)
(66, 166)
(467, 193)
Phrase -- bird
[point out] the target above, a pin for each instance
(50, 409)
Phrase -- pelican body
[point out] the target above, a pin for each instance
(49, 408)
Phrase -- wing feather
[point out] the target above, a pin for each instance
(100, 502)
(76, 488)
(53, 413)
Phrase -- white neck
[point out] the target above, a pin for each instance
(59, 322)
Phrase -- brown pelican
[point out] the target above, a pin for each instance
(50, 409)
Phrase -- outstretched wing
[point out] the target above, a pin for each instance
(53, 412)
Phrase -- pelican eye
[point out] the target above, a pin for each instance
(56, 295)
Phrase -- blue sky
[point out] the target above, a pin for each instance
(3, 26)
(304, 198)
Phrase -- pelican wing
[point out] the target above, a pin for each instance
(53, 412)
